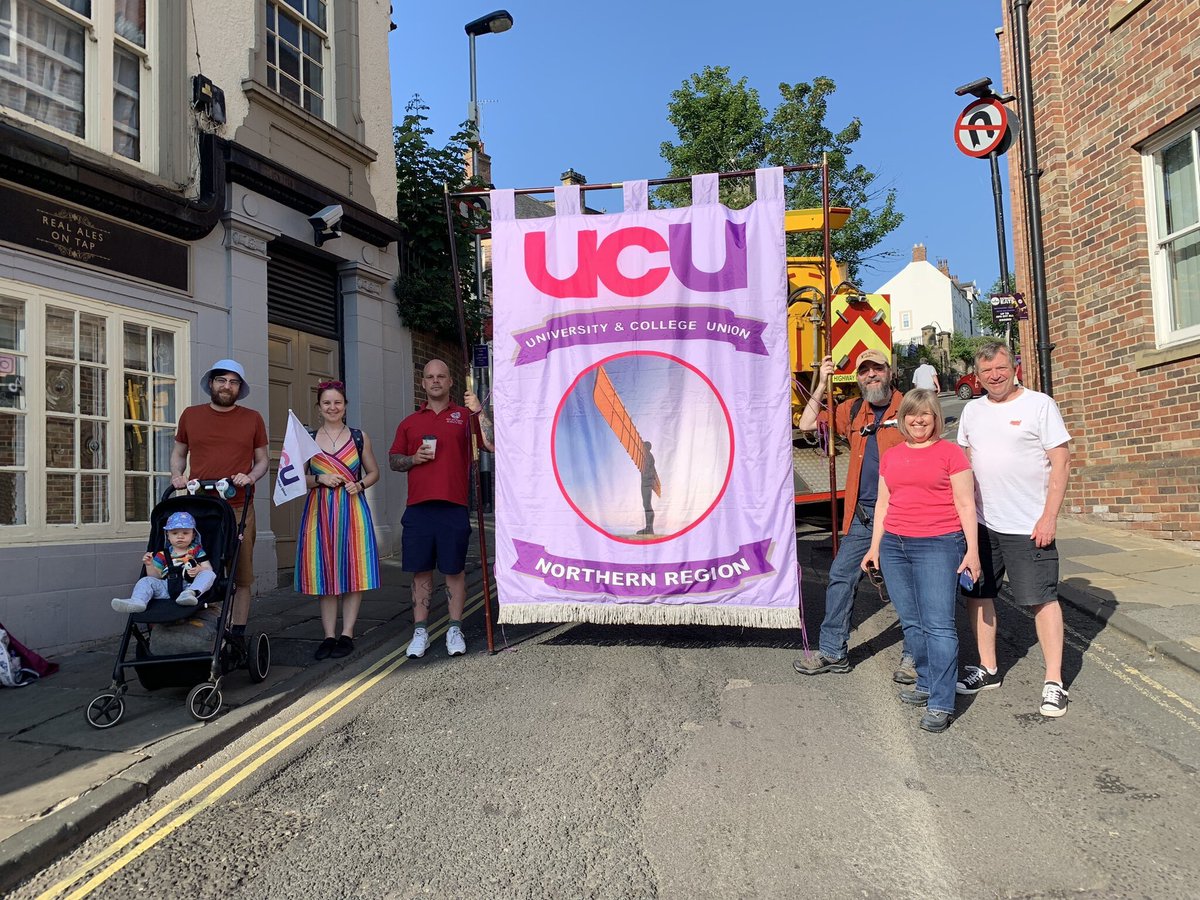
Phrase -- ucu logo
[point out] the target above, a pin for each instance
(599, 261)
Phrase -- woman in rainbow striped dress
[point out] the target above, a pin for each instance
(336, 554)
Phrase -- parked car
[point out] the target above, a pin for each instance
(968, 386)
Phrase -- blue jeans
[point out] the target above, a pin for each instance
(844, 576)
(922, 579)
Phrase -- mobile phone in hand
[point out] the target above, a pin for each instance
(965, 581)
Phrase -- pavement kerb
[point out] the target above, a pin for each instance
(40, 843)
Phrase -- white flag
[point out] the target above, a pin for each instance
(298, 448)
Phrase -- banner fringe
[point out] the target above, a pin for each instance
(648, 614)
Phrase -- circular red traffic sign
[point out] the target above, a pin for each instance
(981, 127)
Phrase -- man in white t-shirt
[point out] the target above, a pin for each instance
(1017, 444)
(926, 376)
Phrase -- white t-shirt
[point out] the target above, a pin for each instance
(924, 375)
(1008, 444)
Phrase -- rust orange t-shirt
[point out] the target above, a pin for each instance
(221, 444)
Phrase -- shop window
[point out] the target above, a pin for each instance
(86, 443)
(82, 68)
(1173, 174)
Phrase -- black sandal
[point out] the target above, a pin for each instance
(344, 647)
(326, 648)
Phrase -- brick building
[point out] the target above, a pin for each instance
(1116, 86)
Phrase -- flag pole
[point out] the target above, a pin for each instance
(476, 484)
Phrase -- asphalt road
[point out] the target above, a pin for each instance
(622, 762)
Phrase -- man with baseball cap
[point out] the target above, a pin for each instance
(220, 439)
(869, 424)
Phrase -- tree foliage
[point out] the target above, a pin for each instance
(425, 288)
(722, 126)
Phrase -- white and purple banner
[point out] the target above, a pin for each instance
(642, 410)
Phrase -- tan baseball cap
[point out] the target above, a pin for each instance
(872, 356)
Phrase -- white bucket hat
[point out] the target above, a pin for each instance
(225, 365)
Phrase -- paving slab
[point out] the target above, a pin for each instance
(72, 774)
(1135, 563)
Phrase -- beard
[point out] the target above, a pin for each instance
(879, 395)
(223, 398)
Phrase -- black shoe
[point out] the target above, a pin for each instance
(906, 672)
(976, 679)
(325, 648)
(935, 722)
(914, 697)
(343, 646)
(819, 662)
(1054, 700)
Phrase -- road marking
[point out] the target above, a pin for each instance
(352, 690)
(1122, 671)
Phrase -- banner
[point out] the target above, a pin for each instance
(642, 412)
(298, 448)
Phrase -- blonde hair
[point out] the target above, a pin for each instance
(921, 400)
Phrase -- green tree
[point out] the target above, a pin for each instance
(425, 288)
(983, 309)
(722, 126)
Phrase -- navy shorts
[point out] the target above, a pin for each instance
(1032, 570)
(435, 535)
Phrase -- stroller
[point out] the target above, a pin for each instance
(221, 536)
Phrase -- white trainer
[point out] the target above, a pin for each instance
(456, 644)
(187, 598)
(127, 605)
(419, 643)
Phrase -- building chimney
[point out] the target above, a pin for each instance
(572, 177)
(918, 253)
(485, 166)
(943, 266)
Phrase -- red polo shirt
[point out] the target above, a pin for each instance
(446, 476)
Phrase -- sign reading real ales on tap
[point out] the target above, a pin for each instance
(641, 401)
(52, 227)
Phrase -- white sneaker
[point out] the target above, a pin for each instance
(128, 605)
(187, 598)
(456, 644)
(419, 643)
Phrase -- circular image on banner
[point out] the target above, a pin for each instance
(642, 447)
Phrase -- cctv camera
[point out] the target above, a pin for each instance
(980, 87)
(329, 217)
(326, 224)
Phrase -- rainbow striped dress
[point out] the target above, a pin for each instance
(335, 550)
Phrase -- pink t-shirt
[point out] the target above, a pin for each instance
(920, 499)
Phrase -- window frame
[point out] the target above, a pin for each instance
(119, 525)
(1165, 334)
(328, 92)
(101, 42)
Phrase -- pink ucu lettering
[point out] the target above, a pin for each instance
(597, 262)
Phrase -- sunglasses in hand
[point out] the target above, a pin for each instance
(875, 575)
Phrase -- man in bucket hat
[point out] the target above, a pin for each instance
(220, 439)
(869, 425)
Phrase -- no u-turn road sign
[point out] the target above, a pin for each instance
(981, 127)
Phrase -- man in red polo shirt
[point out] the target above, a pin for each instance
(433, 446)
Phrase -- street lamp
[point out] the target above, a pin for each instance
(493, 23)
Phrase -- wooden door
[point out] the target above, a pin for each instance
(297, 361)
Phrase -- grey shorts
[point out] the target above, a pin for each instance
(1032, 571)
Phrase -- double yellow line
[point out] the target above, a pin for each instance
(139, 839)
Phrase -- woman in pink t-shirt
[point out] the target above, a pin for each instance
(924, 539)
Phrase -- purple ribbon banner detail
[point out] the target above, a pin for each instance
(624, 581)
(654, 323)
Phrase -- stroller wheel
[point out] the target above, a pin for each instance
(204, 701)
(258, 656)
(106, 710)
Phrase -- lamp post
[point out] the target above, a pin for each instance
(493, 23)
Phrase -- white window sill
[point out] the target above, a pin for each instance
(307, 122)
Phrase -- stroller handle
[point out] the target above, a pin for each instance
(221, 486)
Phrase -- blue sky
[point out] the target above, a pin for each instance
(586, 86)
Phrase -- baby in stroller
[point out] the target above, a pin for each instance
(184, 561)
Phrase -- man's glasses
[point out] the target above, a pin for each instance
(221, 381)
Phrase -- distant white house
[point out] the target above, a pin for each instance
(926, 295)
